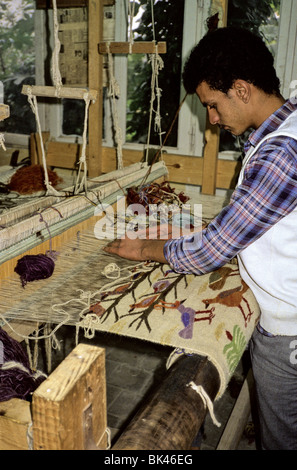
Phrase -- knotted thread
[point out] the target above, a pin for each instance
(2, 139)
(113, 94)
(112, 271)
(206, 401)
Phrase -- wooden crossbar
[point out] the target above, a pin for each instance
(64, 92)
(141, 47)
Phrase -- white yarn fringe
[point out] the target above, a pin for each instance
(206, 401)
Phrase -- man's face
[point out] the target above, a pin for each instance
(225, 110)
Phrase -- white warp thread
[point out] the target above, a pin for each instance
(206, 401)
(2, 140)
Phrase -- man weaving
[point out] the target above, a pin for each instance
(232, 73)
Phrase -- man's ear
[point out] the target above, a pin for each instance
(243, 90)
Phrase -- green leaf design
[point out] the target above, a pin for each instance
(234, 350)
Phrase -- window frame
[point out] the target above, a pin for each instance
(192, 116)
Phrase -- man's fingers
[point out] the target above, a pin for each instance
(113, 246)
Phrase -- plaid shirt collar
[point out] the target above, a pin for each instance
(270, 124)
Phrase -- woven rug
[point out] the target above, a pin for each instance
(213, 315)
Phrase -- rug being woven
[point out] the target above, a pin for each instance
(212, 315)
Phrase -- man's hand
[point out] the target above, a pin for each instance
(137, 249)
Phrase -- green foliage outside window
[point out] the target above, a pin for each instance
(17, 62)
(168, 16)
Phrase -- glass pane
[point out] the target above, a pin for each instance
(73, 117)
(17, 62)
(168, 26)
(261, 18)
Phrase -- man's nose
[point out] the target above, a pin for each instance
(213, 116)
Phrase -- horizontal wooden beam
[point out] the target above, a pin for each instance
(138, 47)
(173, 414)
(64, 92)
(68, 3)
(182, 168)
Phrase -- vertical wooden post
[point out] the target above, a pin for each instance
(212, 133)
(69, 407)
(95, 74)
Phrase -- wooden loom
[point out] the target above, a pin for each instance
(167, 400)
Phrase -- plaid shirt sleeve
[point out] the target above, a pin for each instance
(268, 193)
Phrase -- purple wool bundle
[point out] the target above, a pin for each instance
(34, 267)
(17, 380)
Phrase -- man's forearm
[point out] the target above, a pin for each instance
(153, 250)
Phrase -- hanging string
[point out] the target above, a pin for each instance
(83, 159)
(113, 93)
(206, 401)
(165, 140)
(50, 190)
(157, 64)
(57, 81)
(131, 8)
(2, 140)
(56, 75)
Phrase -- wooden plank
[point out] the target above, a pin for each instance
(61, 3)
(4, 111)
(138, 47)
(35, 147)
(210, 157)
(69, 407)
(15, 424)
(182, 168)
(227, 173)
(18, 330)
(172, 416)
(212, 133)
(64, 92)
(95, 77)
(64, 155)
(68, 3)
(239, 417)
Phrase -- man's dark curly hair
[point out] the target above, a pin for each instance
(228, 54)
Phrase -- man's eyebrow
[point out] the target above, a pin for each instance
(210, 103)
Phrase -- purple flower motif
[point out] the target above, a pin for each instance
(187, 317)
(161, 285)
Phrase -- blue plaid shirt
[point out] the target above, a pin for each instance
(267, 193)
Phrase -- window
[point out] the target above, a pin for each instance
(17, 64)
(180, 23)
(261, 18)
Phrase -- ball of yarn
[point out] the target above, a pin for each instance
(17, 380)
(30, 179)
(34, 267)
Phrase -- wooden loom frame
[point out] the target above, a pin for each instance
(16, 418)
(206, 171)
